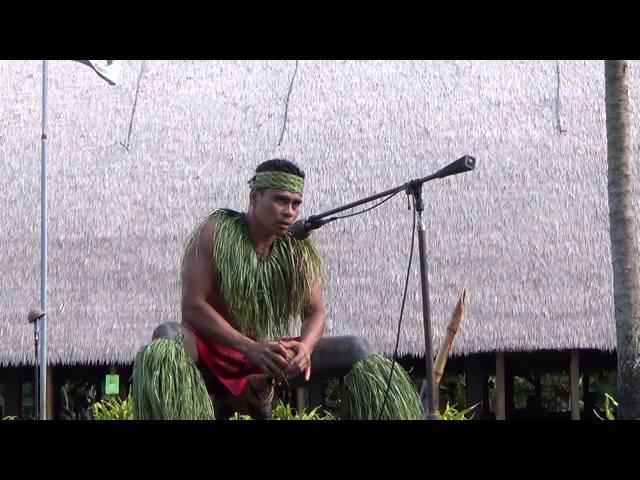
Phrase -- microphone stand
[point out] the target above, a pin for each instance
(36, 393)
(413, 187)
(35, 316)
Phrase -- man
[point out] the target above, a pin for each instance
(245, 279)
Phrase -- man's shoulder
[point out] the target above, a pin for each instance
(208, 228)
(229, 212)
(223, 214)
(218, 214)
(201, 237)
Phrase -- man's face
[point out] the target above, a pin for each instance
(276, 209)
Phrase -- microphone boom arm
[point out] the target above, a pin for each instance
(320, 216)
(463, 164)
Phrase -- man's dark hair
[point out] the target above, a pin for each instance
(280, 165)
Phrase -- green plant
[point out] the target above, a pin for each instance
(114, 408)
(237, 416)
(610, 407)
(10, 417)
(452, 413)
(285, 412)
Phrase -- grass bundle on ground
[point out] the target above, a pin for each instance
(365, 387)
(167, 385)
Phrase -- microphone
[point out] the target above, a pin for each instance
(302, 228)
(463, 164)
(35, 314)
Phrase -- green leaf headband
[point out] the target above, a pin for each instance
(281, 180)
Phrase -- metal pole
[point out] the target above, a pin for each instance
(43, 248)
(430, 407)
(36, 401)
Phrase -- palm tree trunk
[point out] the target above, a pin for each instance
(624, 239)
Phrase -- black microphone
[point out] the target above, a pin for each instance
(463, 164)
(302, 228)
(35, 314)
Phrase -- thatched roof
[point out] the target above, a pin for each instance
(528, 230)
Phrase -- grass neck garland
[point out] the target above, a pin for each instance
(263, 295)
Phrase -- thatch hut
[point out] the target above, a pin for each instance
(134, 167)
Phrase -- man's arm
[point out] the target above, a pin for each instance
(314, 318)
(312, 329)
(198, 285)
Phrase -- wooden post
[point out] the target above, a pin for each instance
(301, 398)
(316, 395)
(574, 378)
(500, 387)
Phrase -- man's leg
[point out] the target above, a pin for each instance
(219, 397)
(256, 401)
(176, 331)
(334, 357)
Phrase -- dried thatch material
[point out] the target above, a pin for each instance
(527, 231)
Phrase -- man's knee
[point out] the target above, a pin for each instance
(334, 357)
(359, 348)
(175, 331)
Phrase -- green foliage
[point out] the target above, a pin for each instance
(114, 408)
(452, 413)
(237, 416)
(285, 412)
(603, 384)
(610, 408)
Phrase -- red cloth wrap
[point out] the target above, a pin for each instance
(228, 365)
